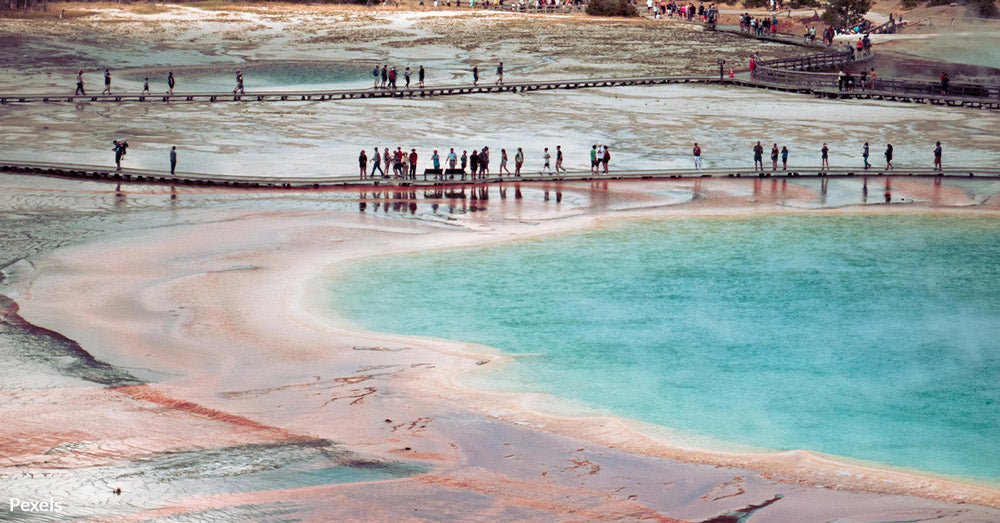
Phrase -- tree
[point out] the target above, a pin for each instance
(611, 8)
(846, 13)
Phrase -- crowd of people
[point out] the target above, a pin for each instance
(403, 165)
(758, 26)
(683, 11)
(864, 80)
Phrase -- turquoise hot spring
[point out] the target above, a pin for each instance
(872, 337)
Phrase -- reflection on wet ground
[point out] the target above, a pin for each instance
(153, 481)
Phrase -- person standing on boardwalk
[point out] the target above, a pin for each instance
(784, 158)
(173, 159)
(888, 156)
(937, 156)
(107, 82)
(559, 159)
(774, 157)
(377, 164)
(503, 162)
(375, 76)
(864, 154)
(944, 83)
(145, 87)
(824, 155)
(500, 74)
(79, 84)
(546, 156)
(392, 78)
(475, 75)
(518, 162)
(607, 158)
(406, 75)
(413, 164)
(474, 164)
(593, 159)
(758, 156)
(117, 148)
(170, 83)
(385, 75)
(484, 162)
(436, 163)
(465, 161)
(420, 77)
(386, 161)
(363, 164)
(753, 65)
(696, 152)
(239, 82)
(452, 158)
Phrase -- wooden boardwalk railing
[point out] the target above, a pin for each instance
(108, 173)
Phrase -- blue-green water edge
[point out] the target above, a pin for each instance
(873, 337)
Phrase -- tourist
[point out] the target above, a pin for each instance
(436, 162)
(484, 162)
(465, 161)
(79, 84)
(784, 158)
(607, 158)
(758, 156)
(145, 87)
(420, 77)
(392, 77)
(500, 74)
(545, 157)
(864, 154)
(559, 159)
(377, 164)
(697, 156)
(452, 159)
(944, 83)
(363, 163)
(753, 65)
(774, 157)
(841, 78)
(119, 152)
(107, 82)
(375, 74)
(871, 78)
(937, 156)
(503, 162)
(384, 75)
(413, 165)
(824, 155)
(406, 75)
(888, 156)
(386, 161)
(239, 82)
(170, 82)
(173, 159)
(475, 75)
(518, 162)
(593, 159)
(474, 164)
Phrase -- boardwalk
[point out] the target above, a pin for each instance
(108, 173)
(350, 94)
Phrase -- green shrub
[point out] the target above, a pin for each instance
(611, 8)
